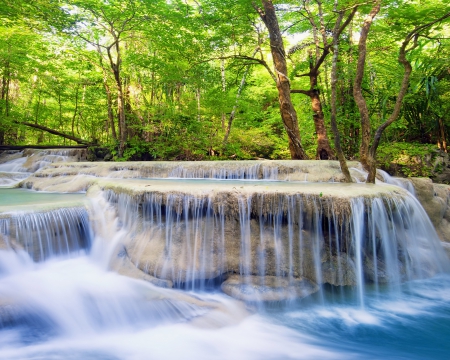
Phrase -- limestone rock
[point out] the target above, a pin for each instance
(123, 265)
(267, 288)
(446, 247)
(434, 205)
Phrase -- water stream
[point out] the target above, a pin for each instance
(62, 298)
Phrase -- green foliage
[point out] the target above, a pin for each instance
(181, 66)
(409, 159)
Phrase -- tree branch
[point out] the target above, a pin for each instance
(304, 92)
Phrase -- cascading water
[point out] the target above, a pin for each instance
(48, 234)
(12, 171)
(16, 166)
(194, 242)
(347, 274)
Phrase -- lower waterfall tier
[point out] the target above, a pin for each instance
(199, 233)
(43, 224)
(277, 240)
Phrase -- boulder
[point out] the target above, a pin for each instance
(267, 288)
(434, 205)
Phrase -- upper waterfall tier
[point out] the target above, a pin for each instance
(18, 165)
(288, 170)
(229, 193)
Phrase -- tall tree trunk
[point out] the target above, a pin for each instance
(199, 108)
(112, 125)
(109, 102)
(442, 140)
(287, 110)
(115, 67)
(233, 112)
(357, 87)
(6, 83)
(324, 151)
(236, 103)
(75, 111)
(224, 89)
(133, 130)
(337, 138)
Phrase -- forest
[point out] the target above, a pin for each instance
(228, 79)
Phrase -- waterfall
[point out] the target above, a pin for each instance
(319, 270)
(47, 234)
(196, 241)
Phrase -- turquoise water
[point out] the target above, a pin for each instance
(414, 324)
(18, 197)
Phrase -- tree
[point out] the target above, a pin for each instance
(357, 86)
(322, 48)
(106, 28)
(287, 110)
(413, 36)
(334, 127)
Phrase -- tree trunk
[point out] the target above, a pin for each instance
(224, 89)
(120, 111)
(115, 67)
(199, 108)
(233, 112)
(442, 140)
(112, 126)
(337, 138)
(75, 111)
(238, 95)
(287, 110)
(6, 82)
(357, 87)
(324, 151)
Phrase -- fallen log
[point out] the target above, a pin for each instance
(54, 132)
(23, 147)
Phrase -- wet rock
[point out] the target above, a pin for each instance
(123, 265)
(435, 199)
(446, 247)
(267, 288)
(434, 205)
(339, 271)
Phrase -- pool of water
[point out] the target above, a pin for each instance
(17, 197)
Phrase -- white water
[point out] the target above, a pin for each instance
(15, 165)
(73, 309)
(181, 238)
(21, 166)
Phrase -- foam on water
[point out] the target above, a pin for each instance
(15, 165)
